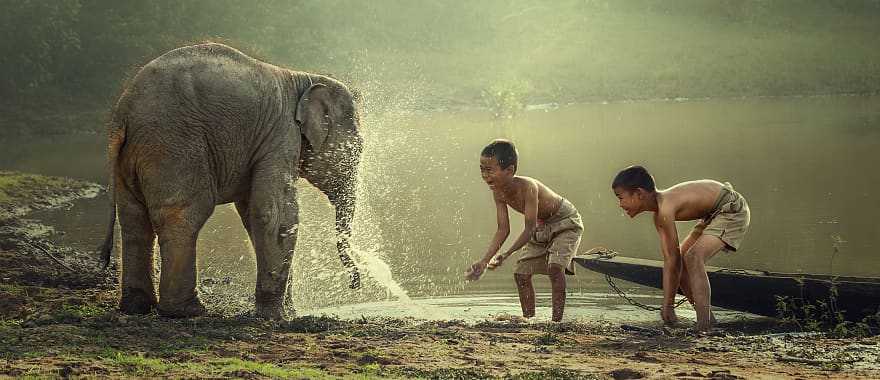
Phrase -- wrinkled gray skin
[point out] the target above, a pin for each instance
(206, 125)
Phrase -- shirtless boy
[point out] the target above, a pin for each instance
(724, 220)
(551, 234)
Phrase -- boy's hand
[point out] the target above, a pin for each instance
(496, 261)
(476, 270)
(667, 312)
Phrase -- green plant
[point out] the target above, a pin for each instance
(824, 316)
(139, 365)
(548, 338)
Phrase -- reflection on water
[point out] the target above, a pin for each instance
(806, 166)
(476, 308)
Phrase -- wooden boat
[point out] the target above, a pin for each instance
(753, 291)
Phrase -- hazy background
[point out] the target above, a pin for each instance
(59, 53)
(777, 97)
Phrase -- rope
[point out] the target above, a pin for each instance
(734, 271)
(46, 251)
(634, 302)
(605, 253)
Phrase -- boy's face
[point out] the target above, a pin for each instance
(493, 174)
(629, 200)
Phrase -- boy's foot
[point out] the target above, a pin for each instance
(705, 317)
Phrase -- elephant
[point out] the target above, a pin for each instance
(205, 125)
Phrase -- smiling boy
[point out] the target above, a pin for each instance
(724, 219)
(551, 234)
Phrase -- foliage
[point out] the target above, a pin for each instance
(548, 338)
(138, 364)
(17, 186)
(824, 316)
(57, 52)
(72, 45)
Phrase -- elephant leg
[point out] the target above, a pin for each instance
(179, 225)
(272, 220)
(138, 239)
(243, 208)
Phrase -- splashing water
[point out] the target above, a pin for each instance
(379, 271)
(372, 264)
(376, 183)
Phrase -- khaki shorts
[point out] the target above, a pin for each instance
(538, 265)
(554, 242)
(730, 219)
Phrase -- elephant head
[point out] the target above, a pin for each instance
(328, 118)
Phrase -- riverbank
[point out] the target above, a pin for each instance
(58, 318)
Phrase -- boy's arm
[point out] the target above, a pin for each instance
(477, 268)
(503, 229)
(664, 221)
(530, 193)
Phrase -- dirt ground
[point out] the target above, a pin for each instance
(58, 319)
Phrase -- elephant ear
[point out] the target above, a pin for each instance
(313, 115)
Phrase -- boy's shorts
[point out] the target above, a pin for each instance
(555, 241)
(729, 219)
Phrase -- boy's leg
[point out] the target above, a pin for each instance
(686, 245)
(557, 283)
(695, 260)
(526, 293)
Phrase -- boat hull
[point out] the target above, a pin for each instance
(751, 291)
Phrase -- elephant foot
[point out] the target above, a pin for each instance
(136, 301)
(270, 313)
(270, 307)
(191, 308)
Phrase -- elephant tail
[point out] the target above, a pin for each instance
(116, 138)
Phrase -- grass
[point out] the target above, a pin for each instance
(136, 364)
(548, 338)
(138, 350)
(824, 316)
(476, 373)
(16, 187)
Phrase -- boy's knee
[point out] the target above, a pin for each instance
(691, 258)
(521, 278)
(556, 270)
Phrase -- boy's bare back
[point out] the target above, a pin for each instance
(515, 196)
(689, 200)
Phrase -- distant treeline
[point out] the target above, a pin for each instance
(555, 50)
(76, 47)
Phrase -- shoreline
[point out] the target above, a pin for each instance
(94, 116)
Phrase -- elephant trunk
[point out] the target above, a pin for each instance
(343, 199)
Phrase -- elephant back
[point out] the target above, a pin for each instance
(203, 85)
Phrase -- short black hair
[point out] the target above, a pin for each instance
(503, 151)
(632, 178)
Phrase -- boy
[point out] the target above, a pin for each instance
(724, 219)
(551, 234)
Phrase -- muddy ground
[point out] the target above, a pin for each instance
(58, 319)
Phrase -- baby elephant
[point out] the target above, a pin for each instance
(206, 125)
